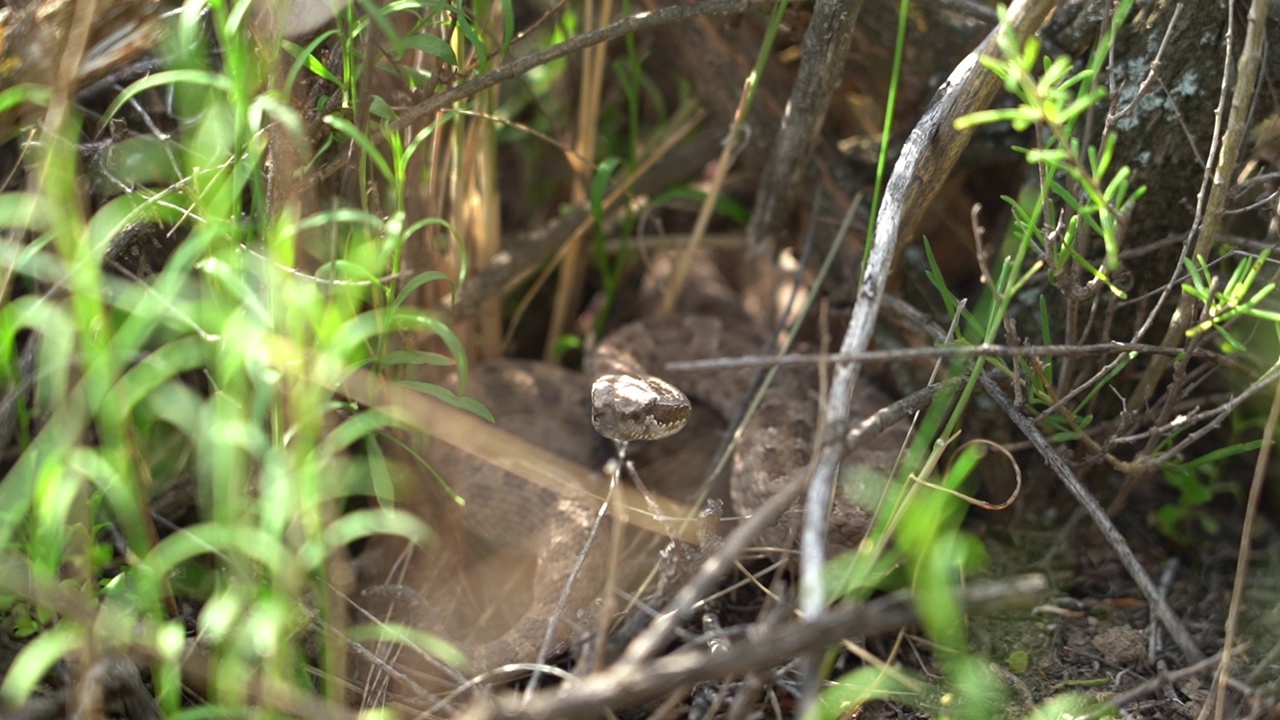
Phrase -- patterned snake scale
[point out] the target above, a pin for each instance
(493, 582)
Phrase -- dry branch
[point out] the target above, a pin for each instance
(822, 57)
(927, 158)
(627, 684)
(1159, 606)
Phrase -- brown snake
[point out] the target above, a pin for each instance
(498, 576)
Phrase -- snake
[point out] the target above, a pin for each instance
(518, 574)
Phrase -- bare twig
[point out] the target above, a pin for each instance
(625, 684)
(728, 153)
(932, 353)
(1160, 680)
(1257, 18)
(1206, 234)
(1153, 73)
(1218, 415)
(1159, 607)
(926, 160)
(822, 59)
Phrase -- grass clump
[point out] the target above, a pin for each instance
(217, 376)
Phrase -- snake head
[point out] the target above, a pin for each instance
(628, 407)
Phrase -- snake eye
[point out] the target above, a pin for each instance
(627, 408)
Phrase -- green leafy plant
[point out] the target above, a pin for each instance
(1081, 192)
(1225, 300)
(1054, 98)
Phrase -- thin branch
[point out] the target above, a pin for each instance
(822, 58)
(626, 684)
(1247, 69)
(1150, 686)
(1220, 415)
(933, 353)
(1159, 606)
(1206, 231)
(927, 158)
(1152, 73)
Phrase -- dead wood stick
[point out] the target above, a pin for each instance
(897, 355)
(1242, 100)
(822, 58)
(1202, 239)
(627, 684)
(1159, 606)
(1155, 599)
(1161, 679)
(927, 158)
